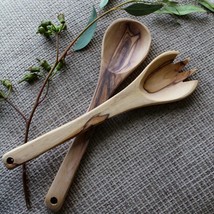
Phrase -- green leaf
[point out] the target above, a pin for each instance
(45, 23)
(181, 10)
(30, 78)
(7, 83)
(208, 4)
(171, 3)
(61, 18)
(45, 28)
(60, 65)
(34, 69)
(2, 95)
(44, 64)
(87, 36)
(141, 9)
(103, 3)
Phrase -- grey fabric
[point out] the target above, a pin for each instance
(153, 160)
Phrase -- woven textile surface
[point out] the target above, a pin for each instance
(151, 160)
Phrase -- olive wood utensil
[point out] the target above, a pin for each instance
(133, 96)
(125, 45)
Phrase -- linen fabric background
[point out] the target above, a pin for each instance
(151, 160)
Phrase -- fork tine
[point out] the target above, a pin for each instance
(181, 64)
(183, 75)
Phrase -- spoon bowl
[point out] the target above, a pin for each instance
(126, 43)
(133, 96)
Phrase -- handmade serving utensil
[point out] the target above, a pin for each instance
(125, 45)
(133, 96)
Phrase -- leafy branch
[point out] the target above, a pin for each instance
(48, 29)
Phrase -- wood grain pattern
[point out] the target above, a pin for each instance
(133, 96)
(110, 77)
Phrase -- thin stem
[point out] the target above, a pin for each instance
(57, 47)
(57, 55)
(36, 104)
(37, 101)
(16, 109)
(46, 93)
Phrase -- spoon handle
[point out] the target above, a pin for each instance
(57, 192)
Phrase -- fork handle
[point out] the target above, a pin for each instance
(123, 101)
(38, 146)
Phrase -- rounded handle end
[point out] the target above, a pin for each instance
(52, 203)
(9, 161)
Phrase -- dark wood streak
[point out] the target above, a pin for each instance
(120, 60)
(95, 121)
(123, 53)
(104, 90)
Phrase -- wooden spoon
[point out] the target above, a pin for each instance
(133, 96)
(125, 45)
